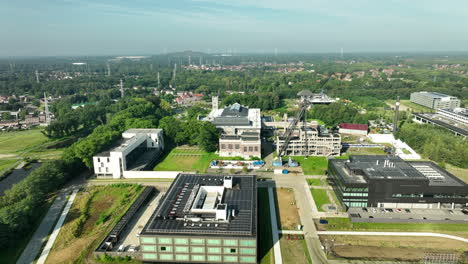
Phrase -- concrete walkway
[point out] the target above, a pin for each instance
(421, 234)
(57, 228)
(34, 246)
(274, 228)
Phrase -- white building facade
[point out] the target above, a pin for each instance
(113, 163)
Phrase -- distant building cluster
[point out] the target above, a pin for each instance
(188, 98)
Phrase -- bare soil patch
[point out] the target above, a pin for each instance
(286, 205)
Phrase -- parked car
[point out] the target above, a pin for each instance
(364, 209)
(408, 210)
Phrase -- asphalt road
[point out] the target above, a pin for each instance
(418, 234)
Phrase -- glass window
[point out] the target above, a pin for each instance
(182, 249)
(197, 241)
(181, 241)
(247, 243)
(182, 257)
(166, 256)
(245, 149)
(230, 258)
(148, 240)
(248, 259)
(215, 242)
(164, 240)
(214, 258)
(223, 146)
(230, 146)
(256, 148)
(149, 256)
(229, 242)
(198, 258)
(247, 251)
(230, 250)
(250, 149)
(198, 250)
(237, 146)
(165, 249)
(214, 250)
(148, 248)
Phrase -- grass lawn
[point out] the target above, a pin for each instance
(459, 172)
(312, 165)
(93, 214)
(294, 251)
(365, 151)
(320, 122)
(186, 159)
(19, 141)
(416, 107)
(320, 198)
(265, 239)
(405, 151)
(315, 182)
(346, 224)
(6, 163)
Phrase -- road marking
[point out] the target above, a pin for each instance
(421, 234)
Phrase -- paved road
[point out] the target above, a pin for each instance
(274, 228)
(39, 237)
(419, 234)
(58, 226)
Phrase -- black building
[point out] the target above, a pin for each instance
(391, 182)
(204, 219)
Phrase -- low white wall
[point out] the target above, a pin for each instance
(150, 174)
(398, 144)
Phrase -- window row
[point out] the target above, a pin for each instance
(209, 258)
(237, 146)
(211, 250)
(99, 160)
(198, 241)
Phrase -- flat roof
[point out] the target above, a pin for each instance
(435, 94)
(360, 169)
(173, 215)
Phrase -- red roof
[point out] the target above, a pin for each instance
(354, 126)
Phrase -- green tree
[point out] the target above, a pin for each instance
(208, 137)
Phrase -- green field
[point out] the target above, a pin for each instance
(346, 224)
(180, 159)
(314, 182)
(320, 198)
(20, 141)
(6, 163)
(93, 214)
(265, 239)
(365, 151)
(312, 165)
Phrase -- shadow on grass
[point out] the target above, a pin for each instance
(265, 236)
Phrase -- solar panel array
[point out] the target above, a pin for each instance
(173, 213)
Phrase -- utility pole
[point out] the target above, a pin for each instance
(108, 70)
(159, 82)
(37, 76)
(189, 60)
(395, 121)
(46, 107)
(201, 61)
(122, 91)
(174, 73)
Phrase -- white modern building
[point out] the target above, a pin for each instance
(137, 148)
(435, 100)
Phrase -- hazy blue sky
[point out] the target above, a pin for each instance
(94, 27)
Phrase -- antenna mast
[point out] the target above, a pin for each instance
(37, 76)
(122, 91)
(47, 114)
(395, 121)
(174, 72)
(108, 70)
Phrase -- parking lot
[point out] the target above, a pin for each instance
(372, 214)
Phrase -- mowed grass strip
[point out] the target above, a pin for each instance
(183, 159)
(335, 223)
(94, 213)
(294, 251)
(320, 198)
(18, 141)
(6, 163)
(313, 165)
(265, 238)
(314, 182)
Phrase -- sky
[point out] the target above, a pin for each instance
(145, 27)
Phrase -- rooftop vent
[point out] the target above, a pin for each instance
(221, 212)
(228, 182)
